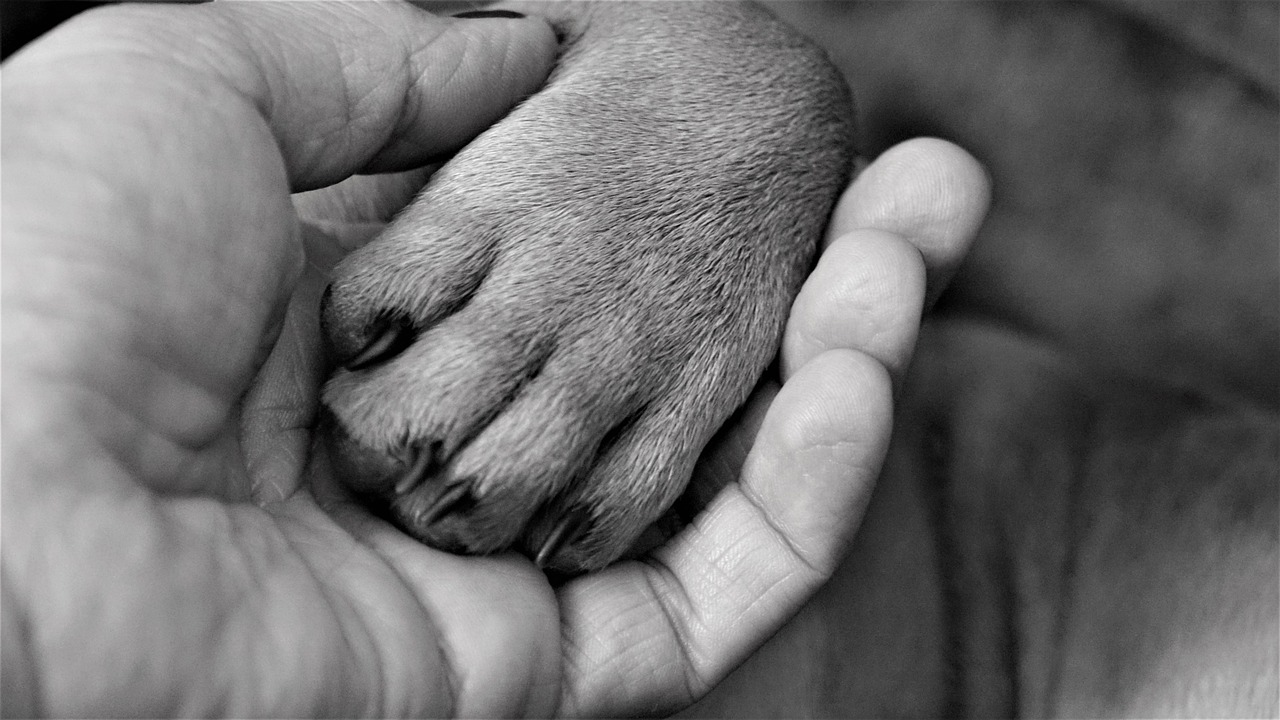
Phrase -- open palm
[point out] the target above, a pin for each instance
(172, 543)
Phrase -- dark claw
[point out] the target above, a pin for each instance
(456, 497)
(571, 527)
(509, 14)
(388, 337)
(417, 472)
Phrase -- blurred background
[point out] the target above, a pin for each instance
(1133, 148)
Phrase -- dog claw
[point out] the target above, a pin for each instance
(454, 498)
(571, 527)
(416, 473)
(388, 337)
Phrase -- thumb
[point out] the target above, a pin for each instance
(343, 87)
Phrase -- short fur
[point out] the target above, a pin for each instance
(593, 284)
(1078, 513)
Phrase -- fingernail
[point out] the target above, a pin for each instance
(571, 527)
(508, 14)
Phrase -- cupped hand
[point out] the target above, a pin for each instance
(171, 544)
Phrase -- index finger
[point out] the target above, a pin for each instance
(651, 637)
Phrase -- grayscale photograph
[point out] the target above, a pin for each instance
(640, 358)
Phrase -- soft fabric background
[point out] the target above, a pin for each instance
(1133, 148)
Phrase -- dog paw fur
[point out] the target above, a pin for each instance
(536, 350)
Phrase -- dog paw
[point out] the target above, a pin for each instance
(536, 350)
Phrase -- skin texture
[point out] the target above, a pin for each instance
(578, 299)
(178, 549)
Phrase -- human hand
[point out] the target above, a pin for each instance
(150, 252)
(150, 249)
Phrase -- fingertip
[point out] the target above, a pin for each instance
(866, 294)
(819, 451)
(840, 396)
(928, 190)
